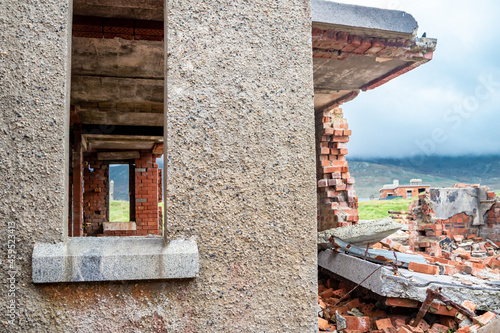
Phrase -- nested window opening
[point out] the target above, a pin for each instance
(117, 97)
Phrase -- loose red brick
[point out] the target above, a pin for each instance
(404, 330)
(423, 268)
(322, 324)
(383, 323)
(401, 302)
(448, 322)
(327, 293)
(488, 261)
(444, 310)
(340, 292)
(450, 270)
(399, 322)
(423, 325)
(484, 319)
(470, 305)
(495, 263)
(361, 324)
(438, 328)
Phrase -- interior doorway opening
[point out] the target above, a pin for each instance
(119, 193)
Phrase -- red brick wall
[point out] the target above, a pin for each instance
(460, 224)
(95, 195)
(423, 237)
(146, 187)
(337, 201)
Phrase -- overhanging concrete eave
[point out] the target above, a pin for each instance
(361, 48)
(363, 32)
(366, 21)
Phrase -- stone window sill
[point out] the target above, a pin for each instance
(119, 226)
(114, 259)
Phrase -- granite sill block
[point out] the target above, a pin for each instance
(114, 259)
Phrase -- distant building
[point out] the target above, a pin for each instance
(403, 191)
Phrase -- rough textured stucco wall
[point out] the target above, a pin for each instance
(33, 89)
(241, 159)
(241, 171)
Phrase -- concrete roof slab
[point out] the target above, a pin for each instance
(363, 18)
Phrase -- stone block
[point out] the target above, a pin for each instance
(114, 259)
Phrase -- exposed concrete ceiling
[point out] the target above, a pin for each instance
(117, 57)
(133, 9)
(107, 142)
(352, 73)
(118, 81)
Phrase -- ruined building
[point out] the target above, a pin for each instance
(243, 101)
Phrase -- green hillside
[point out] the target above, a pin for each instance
(372, 174)
(438, 171)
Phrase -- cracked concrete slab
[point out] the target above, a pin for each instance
(361, 234)
(410, 285)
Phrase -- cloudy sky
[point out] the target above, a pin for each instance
(449, 106)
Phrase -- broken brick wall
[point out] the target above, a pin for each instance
(491, 227)
(337, 201)
(426, 229)
(95, 195)
(459, 224)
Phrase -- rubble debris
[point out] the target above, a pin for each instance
(449, 269)
(361, 234)
(434, 294)
(359, 312)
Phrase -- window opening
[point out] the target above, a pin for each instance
(119, 194)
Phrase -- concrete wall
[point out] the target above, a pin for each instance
(240, 172)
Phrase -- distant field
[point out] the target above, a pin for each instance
(377, 209)
(119, 211)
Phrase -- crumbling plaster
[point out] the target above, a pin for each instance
(447, 202)
(240, 153)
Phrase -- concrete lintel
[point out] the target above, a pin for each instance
(118, 155)
(375, 22)
(114, 259)
(407, 284)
